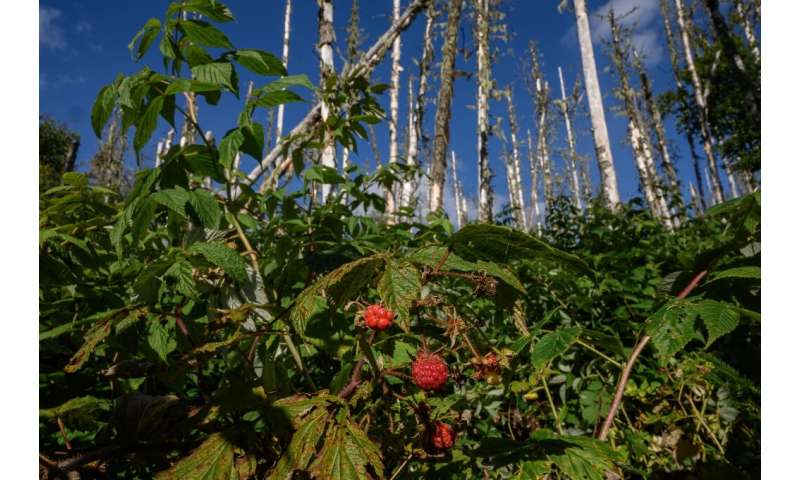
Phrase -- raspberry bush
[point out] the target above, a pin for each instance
(223, 332)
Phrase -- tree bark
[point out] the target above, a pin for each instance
(287, 17)
(458, 193)
(513, 170)
(394, 96)
(408, 186)
(705, 128)
(657, 124)
(363, 67)
(573, 156)
(536, 216)
(640, 141)
(485, 210)
(540, 92)
(443, 107)
(325, 46)
(605, 161)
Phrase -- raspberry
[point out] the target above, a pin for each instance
(429, 371)
(377, 317)
(444, 436)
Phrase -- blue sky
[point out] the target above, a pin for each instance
(83, 46)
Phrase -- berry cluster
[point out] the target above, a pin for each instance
(429, 371)
(377, 317)
(444, 436)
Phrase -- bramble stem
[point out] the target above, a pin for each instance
(552, 406)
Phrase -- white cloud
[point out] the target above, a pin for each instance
(51, 35)
(642, 16)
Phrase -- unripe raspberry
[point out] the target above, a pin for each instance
(444, 436)
(429, 371)
(378, 318)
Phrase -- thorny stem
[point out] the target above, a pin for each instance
(355, 377)
(552, 406)
(63, 433)
(626, 371)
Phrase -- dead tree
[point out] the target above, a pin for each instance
(572, 158)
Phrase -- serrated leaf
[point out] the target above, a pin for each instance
(161, 340)
(341, 284)
(187, 85)
(260, 62)
(81, 406)
(102, 108)
(95, 335)
(212, 460)
(212, 9)
(145, 38)
(398, 287)
(205, 34)
(495, 243)
(670, 328)
(502, 273)
(146, 124)
(273, 99)
(173, 198)
(216, 73)
(302, 447)
(718, 318)
(206, 207)
(552, 345)
(738, 272)
(226, 258)
(346, 454)
(229, 147)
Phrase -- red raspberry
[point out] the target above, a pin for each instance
(377, 317)
(444, 436)
(429, 371)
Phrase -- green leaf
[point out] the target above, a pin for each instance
(181, 271)
(398, 287)
(672, 327)
(719, 319)
(433, 255)
(216, 73)
(738, 272)
(173, 198)
(229, 147)
(346, 454)
(260, 62)
(146, 124)
(303, 445)
(81, 406)
(203, 33)
(273, 99)
(95, 335)
(212, 9)
(504, 274)
(142, 216)
(502, 244)
(212, 460)
(187, 85)
(161, 340)
(342, 285)
(552, 345)
(145, 37)
(102, 108)
(226, 258)
(206, 207)
(286, 82)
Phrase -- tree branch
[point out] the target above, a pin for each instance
(626, 371)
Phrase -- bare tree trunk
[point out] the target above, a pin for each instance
(326, 39)
(658, 125)
(513, 169)
(188, 133)
(749, 31)
(485, 211)
(573, 156)
(605, 161)
(408, 187)
(640, 139)
(394, 96)
(705, 128)
(441, 137)
(418, 112)
(540, 92)
(676, 68)
(536, 216)
(363, 67)
(696, 204)
(287, 17)
(458, 194)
